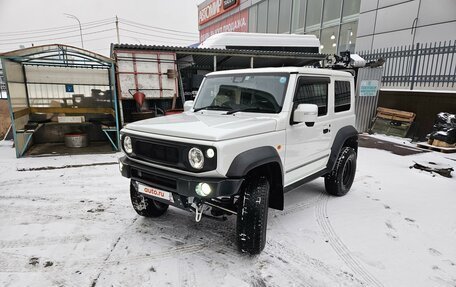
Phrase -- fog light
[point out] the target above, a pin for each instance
(203, 189)
(210, 153)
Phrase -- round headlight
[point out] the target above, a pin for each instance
(127, 145)
(210, 153)
(196, 158)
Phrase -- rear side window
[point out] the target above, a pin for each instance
(313, 90)
(342, 96)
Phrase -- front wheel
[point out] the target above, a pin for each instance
(252, 216)
(339, 181)
(145, 206)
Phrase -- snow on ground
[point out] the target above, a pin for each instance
(75, 227)
(393, 139)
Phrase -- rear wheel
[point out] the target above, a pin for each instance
(252, 217)
(145, 206)
(339, 181)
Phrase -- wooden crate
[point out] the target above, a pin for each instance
(442, 144)
(395, 115)
(390, 127)
(392, 122)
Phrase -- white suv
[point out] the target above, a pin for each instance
(250, 136)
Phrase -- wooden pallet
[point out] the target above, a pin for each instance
(437, 148)
(390, 127)
(392, 122)
(395, 115)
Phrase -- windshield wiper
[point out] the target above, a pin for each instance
(215, 107)
(248, 110)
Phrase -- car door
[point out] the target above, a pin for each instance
(307, 146)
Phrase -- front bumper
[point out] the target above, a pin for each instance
(177, 183)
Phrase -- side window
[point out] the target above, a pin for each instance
(312, 90)
(342, 96)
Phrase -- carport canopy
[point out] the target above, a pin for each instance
(41, 78)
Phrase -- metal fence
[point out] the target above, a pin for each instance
(419, 66)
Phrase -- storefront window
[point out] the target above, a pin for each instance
(313, 14)
(253, 18)
(262, 22)
(331, 12)
(347, 37)
(350, 10)
(328, 40)
(273, 16)
(299, 8)
(285, 16)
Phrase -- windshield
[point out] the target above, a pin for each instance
(261, 93)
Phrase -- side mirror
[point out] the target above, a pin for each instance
(188, 105)
(306, 113)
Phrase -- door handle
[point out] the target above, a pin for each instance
(325, 131)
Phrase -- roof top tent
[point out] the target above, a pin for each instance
(61, 97)
(168, 76)
(263, 42)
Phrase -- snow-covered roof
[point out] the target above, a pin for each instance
(39, 52)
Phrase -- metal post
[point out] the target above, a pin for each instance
(27, 142)
(80, 27)
(251, 62)
(414, 66)
(117, 29)
(215, 63)
(10, 106)
(27, 96)
(115, 98)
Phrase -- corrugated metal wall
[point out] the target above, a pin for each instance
(366, 105)
(146, 71)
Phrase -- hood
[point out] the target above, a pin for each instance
(211, 126)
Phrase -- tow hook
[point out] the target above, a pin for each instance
(199, 211)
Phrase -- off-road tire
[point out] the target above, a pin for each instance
(145, 206)
(339, 181)
(252, 217)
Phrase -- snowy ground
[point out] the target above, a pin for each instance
(75, 227)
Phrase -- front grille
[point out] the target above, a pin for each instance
(168, 153)
(154, 180)
(156, 152)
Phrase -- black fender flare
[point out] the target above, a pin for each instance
(344, 134)
(248, 160)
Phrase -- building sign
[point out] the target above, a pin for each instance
(69, 88)
(229, 3)
(238, 22)
(368, 88)
(215, 8)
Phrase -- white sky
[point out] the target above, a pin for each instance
(27, 15)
